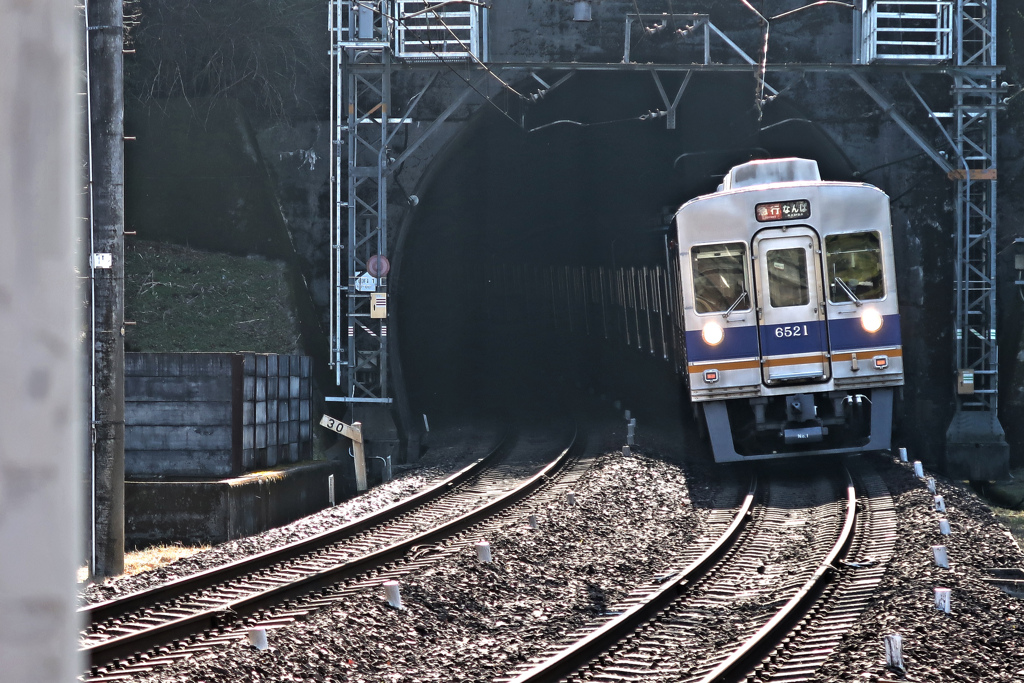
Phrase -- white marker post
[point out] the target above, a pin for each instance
(393, 594)
(918, 469)
(258, 638)
(533, 521)
(353, 431)
(630, 432)
(944, 527)
(941, 556)
(930, 482)
(330, 488)
(903, 458)
(483, 551)
(940, 504)
(943, 599)
(894, 651)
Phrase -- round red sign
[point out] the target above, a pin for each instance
(378, 266)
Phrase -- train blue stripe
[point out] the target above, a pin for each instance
(847, 334)
(739, 342)
(793, 338)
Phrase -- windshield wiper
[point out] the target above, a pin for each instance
(849, 291)
(728, 312)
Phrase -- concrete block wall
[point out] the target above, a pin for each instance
(214, 415)
(277, 400)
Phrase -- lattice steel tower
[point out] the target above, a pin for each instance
(975, 446)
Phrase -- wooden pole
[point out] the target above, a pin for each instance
(40, 408)
(359, 451)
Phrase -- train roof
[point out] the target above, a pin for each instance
(769, 171)
(769, 174)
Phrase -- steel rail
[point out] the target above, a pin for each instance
(586, 649)
(161, 634)
(740, 662)
(102, 611)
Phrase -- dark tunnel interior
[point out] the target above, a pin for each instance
(585, 181)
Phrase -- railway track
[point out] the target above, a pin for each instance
(744, 610)
(141, 632)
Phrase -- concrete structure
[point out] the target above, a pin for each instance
(214, 511)
(198, 425)
(215, 414)
(104, 261)
(40, 415)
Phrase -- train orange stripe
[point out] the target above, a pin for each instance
(798, 360)
(726, 365)
(867, 354)
(863, 354)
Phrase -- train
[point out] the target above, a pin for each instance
(790, 318)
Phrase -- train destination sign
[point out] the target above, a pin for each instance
(794, 209)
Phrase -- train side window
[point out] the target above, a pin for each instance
(854, 263)
(720, 277)
(787, 277)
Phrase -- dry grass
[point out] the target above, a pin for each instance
(1014, 519)
(138, 561)
(1006, 499)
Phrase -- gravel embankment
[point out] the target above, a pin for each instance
(450, 451)
(463, 621)
(982, 639)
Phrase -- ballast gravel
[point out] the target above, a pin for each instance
(466, 621)
(451, 449)
(981, 639)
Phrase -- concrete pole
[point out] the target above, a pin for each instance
(106, 116)
(40, 411)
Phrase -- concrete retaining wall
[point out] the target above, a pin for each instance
(215, 414)
(206, 512)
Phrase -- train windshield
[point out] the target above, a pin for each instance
(787, 277)
(720, 277)
(854, 262)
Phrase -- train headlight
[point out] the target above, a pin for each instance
(871, 320)
(712, 333)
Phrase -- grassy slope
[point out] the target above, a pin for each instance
(187, 300)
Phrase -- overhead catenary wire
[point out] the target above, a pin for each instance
(766, 22)
(584, 124)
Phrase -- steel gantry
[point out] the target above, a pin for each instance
(366, 36)
(961, 33)
(360, 102)
(977, 94)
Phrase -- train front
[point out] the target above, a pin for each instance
(789, 304)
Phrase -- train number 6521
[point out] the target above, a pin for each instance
(791, 331)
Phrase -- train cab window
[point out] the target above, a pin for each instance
(787, 277)
(720, 277)
(854, 262)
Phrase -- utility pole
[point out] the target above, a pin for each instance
(105, 42)
(40, 409)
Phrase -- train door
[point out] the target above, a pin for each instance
(790, 307)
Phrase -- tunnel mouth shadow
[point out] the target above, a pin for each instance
(479, 335)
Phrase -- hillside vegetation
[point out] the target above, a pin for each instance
(182, 299)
